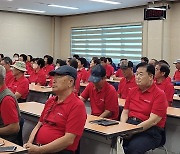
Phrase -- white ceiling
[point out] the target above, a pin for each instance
(85, 6)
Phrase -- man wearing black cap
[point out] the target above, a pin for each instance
(103, 96)
(128, 81)
(62, 119)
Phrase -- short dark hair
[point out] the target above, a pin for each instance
(7, 60)
(40, 62)
(73, 63)
(60, 62)
(49, 59)
(30, 57)
(96, 60)
(163, 61)
(103, 59)
(24, 57)
(83, 61)
(150, 69)
(76, 56)
(164, 68)
(16, 54)
(145, 59)
(2, 55)
(110, 60)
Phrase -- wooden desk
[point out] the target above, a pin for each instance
(38, 93)
(177, 87)
(115, 81)
(176, 98)
(96, 139)
(8, 143)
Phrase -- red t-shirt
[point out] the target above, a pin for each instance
(9, 78)
(86, 76)
(142, 104)
(38, 77)
(21, 86)
(47, 69)
(167, 87)
(82, 73)
(105, 99)
(29, 67)
(177, 75)
(119, 73)
(126, 85)
(8, 109)
(109, 70)
(60, 118)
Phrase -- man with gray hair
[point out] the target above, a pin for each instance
(9, 111)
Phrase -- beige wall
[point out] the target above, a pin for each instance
(24, 33)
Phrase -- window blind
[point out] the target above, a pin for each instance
(120, 41)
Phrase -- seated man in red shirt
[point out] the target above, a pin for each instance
(128, 81)
(49, 66)
(109, 69)
(103, 96)
(176, 77)
(38, 75)
(146, 107)
(20, 84)
(81, 68)
(161, 73)
(9, 111)
(62, 119)
(7, 62)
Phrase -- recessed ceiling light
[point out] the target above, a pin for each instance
(29, 10)
(65, 7)
(106, 1)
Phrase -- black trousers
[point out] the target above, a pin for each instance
(144, 141)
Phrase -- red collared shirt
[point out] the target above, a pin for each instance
(82, 73)
(119, 73)
(125, 86)
(177, 75)
(8, 110)
(105, 99)
(109, 70)
(21, 86)
(167, 87)
(86, 76)
(9, 78)
(29, 68)
(142, 104)
(38, 77)
(48, 68)
(60, 118)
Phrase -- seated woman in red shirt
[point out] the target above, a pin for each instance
(38, 75)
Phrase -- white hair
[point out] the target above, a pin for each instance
(2, 74)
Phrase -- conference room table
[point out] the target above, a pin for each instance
(96, 139)
(172, 128)
(6, 143)
(38, 93)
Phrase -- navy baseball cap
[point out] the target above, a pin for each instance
(65, 70)
(97, 73)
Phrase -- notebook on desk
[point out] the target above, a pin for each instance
(104, 122)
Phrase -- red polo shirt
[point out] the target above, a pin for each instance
(86, 76)
(126, 85)
(142, 104)
(60, 118)
(21, 86)
(109, 70)
(177, 75)
(8, 110)
(38, 77)
(167, 87)
(105, 99)
(119, 73)
(29, 68)
(48, 68)
(82, 73)
(9, 78)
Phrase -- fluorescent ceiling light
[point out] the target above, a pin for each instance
(29, 10)
(156, 8)
(65, 7)
(9, 0)
(106, 1)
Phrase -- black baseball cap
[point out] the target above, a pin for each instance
(97, 73)
(65, 70)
